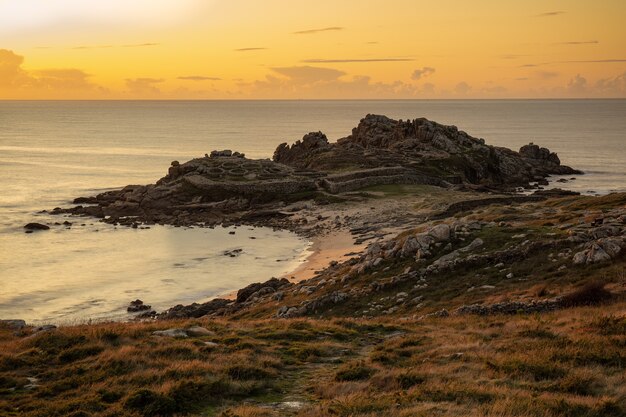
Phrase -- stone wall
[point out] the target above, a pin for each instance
(215, 189)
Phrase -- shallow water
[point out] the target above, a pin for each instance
(94, 271)
(51, 152)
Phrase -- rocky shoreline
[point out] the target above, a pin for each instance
(421, 197)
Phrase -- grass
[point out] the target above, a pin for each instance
(569, 362)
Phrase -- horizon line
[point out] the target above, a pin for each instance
(320, 99)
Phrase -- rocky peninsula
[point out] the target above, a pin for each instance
(226, 186)
(439, 261)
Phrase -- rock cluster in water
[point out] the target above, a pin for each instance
(379, 151)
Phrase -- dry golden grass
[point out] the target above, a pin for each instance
(566, 363)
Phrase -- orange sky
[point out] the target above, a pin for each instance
(248, 49)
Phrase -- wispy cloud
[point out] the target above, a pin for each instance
(347, 60)
(550, 14)
(142, 86)
(250, 49)
(577, 43)
(422, 72)
(198, 78)
(588, 61)
(91, 47)
(139, 45)
(309, 74)
(511, 56)
(133, 45)
(546, 75)
(313, 31)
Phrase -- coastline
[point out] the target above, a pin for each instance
(336, 246)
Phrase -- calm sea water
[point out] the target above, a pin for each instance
(51, 152)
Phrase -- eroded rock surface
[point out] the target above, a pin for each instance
(427, 148)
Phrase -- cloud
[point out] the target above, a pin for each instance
(497, 90)
(428, 88)
(462, 88)
(588, 61)
(577, 43)
(577, 85)
(250, 49)
(17, 82)
(348, 60)
(511, 56)
(614, 87)
(307, 74)
(422, 72)
(314, 31)
(140, 45)
(92, 47)
(11, 73)
(305, 82)
(65, 79)
(593, 61)
(198, 78)
(143, 86)
(134, 45)
(550, 14)
(546, 75)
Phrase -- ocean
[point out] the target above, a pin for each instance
(54, 151)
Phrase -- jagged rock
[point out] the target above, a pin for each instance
(533, 151)
(379, 141)
(300, 152)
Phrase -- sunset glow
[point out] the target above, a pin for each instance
(273, 49)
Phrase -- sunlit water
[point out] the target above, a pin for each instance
(51, 152)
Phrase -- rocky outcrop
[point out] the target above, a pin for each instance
(261, 288)
(600, 250)
(532, 151)
(380, 151)
(300, 153)
(224, 182)
(425, 147)
(216, 306)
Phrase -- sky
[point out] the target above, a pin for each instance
(302, 49)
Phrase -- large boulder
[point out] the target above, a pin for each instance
(246, 293)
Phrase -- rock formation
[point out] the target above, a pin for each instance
(427, 149)
(380, 151)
